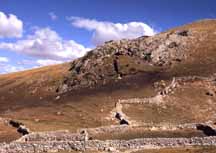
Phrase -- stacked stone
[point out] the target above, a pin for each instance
(143, 143)
(52, 136)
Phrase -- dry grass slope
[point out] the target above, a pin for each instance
(89, 87)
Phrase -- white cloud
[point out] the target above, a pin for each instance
(8, 68)
(25, 62)
(4, 60)
(53, 16)
(42, 62)
(105, 31)
(10, 26)
(46, 44)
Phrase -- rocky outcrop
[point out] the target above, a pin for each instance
(160, 53)
(116, 59)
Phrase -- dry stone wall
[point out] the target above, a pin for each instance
(144, 143)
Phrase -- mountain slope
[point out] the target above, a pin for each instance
(157, 84)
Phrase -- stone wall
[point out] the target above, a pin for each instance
(52, 136)
(144, 143)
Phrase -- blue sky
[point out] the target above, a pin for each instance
(43, 32)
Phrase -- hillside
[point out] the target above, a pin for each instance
(162, 86)
(186, 50)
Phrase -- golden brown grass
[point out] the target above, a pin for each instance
(38, 82)
(7, 133)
